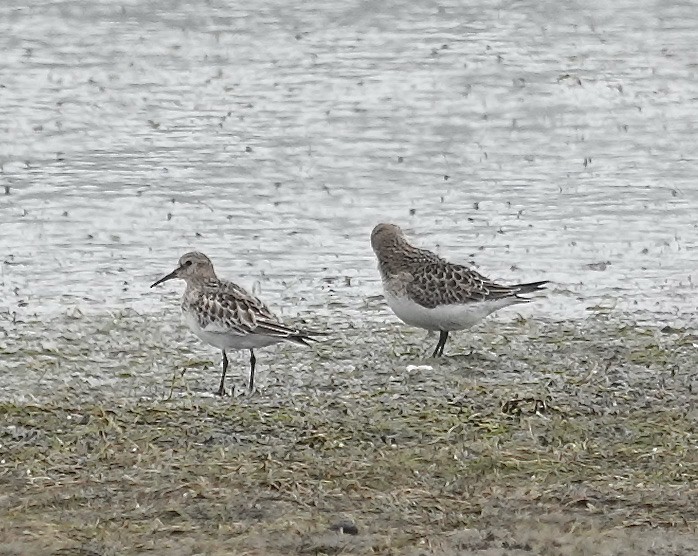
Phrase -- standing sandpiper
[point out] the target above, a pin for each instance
(225, 315)
(427, 291)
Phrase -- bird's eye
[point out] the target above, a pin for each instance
(187, 263)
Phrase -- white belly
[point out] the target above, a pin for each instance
(228, 340)
(444, 317)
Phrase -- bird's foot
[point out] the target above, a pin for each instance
(245, 392)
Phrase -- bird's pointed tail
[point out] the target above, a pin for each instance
(304, 336)
(531, 286)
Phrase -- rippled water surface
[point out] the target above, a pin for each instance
(533, 139)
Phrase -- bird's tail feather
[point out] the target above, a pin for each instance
(304, 336)
(528, 288)
(531, 286)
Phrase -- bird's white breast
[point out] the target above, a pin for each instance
(443, 317)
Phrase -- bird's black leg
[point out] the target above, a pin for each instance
(221, 388)
(253, 361)
(443, 336)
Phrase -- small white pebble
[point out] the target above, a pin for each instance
(411, 368)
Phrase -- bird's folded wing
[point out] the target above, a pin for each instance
(236, 312)
(450, 284)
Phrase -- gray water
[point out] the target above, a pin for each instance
(533, 139)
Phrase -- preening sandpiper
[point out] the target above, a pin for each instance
(225, 315)
(426, 291)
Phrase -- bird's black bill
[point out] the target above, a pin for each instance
(171, 275)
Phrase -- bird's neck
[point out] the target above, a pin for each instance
(200, 281)
(393, 258)
(403, 257)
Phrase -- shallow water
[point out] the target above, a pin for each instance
(533, 139)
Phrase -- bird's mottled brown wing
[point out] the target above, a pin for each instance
(230, 308)
(441, 283)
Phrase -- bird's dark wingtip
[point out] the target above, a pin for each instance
(304, 337)
(531, 286)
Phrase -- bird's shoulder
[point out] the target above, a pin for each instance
(226, 305)
(231, 294)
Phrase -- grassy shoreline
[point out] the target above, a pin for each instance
(574, 438)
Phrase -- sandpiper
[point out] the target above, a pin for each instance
(426, 291)
(225, 315)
